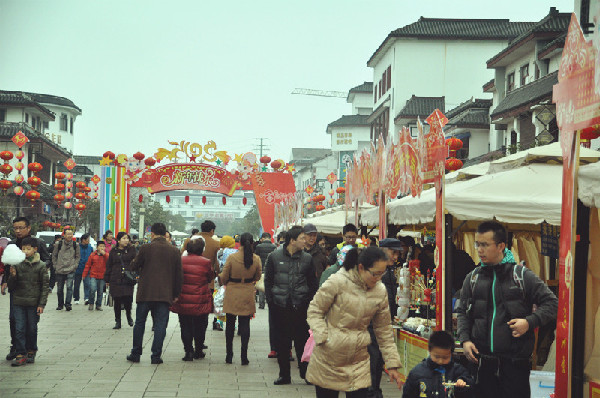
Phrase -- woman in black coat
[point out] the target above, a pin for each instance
(119, 259)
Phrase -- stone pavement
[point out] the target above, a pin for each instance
(80, 355)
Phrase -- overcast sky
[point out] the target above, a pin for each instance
(145, 72)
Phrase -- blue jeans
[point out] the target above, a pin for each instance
(96, 289)
(160, 314)
(26, 320)
(61, 279)
(76, 287)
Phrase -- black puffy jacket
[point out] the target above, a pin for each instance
(263, 250)
(391, 285)
(290, 280)
(493, 299)
(426, 378)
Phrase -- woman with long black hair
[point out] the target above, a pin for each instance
(119, 260)
(242, 270)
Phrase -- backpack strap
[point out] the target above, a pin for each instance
(473, 281)
(518, 272)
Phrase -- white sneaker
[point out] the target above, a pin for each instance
(76, 302)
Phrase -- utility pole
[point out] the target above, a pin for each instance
(261, 146)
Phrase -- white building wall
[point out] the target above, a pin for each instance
(346, 138)
(63, 138)
(478, 143)
(362, 104)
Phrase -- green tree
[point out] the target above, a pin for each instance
(89, 220)
(155, 213)
(249, 223)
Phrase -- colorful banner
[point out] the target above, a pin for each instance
(269, 189)
(114, 200)
(345, 159)
(198, 176)
(594, 389)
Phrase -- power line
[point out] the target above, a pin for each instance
(261, 146)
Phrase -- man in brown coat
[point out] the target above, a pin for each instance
(210, 251)
(160, 281)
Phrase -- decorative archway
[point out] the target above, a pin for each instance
(120, 173)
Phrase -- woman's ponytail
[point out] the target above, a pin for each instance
(246, 240)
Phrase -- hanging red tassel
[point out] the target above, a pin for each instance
(141, 198)
(168, 199)
(204, 200)
(224, 200)
(187, 199)
(244, 201)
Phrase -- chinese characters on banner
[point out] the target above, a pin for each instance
(577, 107)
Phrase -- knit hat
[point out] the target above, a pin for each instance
(227, 241)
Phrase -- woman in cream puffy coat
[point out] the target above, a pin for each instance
(339, 316)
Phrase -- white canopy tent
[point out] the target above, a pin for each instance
(589, 185)
(527, 195)
(331, 221)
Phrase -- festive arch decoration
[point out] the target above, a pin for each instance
(121, 172)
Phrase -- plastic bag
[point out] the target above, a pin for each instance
(218, 299)
(308, 347)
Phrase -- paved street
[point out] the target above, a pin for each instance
(80, 355)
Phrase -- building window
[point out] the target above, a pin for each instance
(524, 74)
(537, 71)
(463, 153)
(375, 94)
(510, 82)
(27, 118)
(380, 126)
(46, 125)
(63, 122)
(2, 115)
(71, 126)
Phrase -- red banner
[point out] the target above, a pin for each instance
(271, 188)
(199, 176)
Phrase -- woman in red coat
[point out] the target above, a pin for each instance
(195, 301)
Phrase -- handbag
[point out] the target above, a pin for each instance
(109, 299)
(260, 284)
(129, 277)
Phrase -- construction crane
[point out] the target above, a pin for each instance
(320, 93)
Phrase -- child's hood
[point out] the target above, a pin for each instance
(35, 259)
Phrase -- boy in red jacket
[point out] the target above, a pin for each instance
(96, 266)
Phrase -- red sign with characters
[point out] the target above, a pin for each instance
(176, 176)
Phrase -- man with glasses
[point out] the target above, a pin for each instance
(350, 234)
(22, 230)
(496, 321)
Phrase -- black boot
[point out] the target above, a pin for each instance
(117, 324)
(12, 354)
(188, 357)
(244, 356)
(129, 318)
(229, 349)
(199, 354)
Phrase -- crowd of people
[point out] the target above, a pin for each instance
(343, 299)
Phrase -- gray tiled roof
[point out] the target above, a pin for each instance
(350, 120)
(20, 98)
(459, 29)
(8, 130)
(530, 94)
(95, 160)
(473, 112)
(421, 106)
(553, 23)
(53, 99)
(366, 87)
(308, 155)
(559, 42)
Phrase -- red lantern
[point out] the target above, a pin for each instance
(139, 156)
(34, 167)
(87, 190)
(68, 205)
(454, 144)
(204, 200)
(588, 134)
(20, 154)
(187, 199)
(34, 181)
(80, 207)
(6, 155)
(276, 164)
(149, 162)
(6, 169)
(320, 207)
(5, 184)
(340, 190)
(244, 201)
(59, 187)
(19, 179)
(18, 190)
(81, 185)
(453, 164)
(109, 154)
(141, 198)
(19, 166)
(32, 195)
(59, 198)
(168, 199)
(224, 200)
(265, 159)
(59, 176)
(80, 195)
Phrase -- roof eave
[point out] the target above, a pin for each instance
(494, 61)
(517, 110)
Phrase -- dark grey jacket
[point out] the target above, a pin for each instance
(494, 299)
(29, 287)
(290, 281)
(263, 250)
